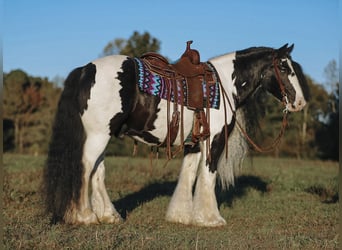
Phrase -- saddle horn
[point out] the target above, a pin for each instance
(192, 54)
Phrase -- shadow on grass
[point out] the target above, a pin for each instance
(131, 201)
(242, 184)
(326, 195)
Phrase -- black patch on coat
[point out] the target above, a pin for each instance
(217, 146)
(139, 110)
(142, 118)
(249, 65)
(254, 68)
(127, 80)
(86, 81)
(189, 149)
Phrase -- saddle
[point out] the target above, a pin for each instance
(187, 73)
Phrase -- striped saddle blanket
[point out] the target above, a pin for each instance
(163, 86)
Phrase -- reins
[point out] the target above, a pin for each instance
(276, 141)
(225, 98)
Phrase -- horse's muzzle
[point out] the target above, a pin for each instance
(298, 105)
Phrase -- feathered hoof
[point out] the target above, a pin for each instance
(209, 222)
(85, 217)
(186, 220)
(111, 219)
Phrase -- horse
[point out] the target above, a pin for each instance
(101, 100)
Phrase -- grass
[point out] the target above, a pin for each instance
(275, 204)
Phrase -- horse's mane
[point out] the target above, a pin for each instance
(255, 50)
(302, 79)
(251, 54)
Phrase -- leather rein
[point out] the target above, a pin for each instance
(261, 149)
(276, 141)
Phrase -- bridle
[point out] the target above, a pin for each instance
(225, 97)
(276, 141)
(285, 100)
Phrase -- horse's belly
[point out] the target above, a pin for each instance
(152, 128)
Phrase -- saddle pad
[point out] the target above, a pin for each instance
(154, 84)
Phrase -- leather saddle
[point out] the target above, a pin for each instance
(191, 71)
(188, 68)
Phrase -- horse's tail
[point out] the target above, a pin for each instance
(63, 170)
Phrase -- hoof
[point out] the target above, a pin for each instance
(111, 219)
(176, 215)
(87, 217)
(186, 220)
(74, 217)
(211, 222)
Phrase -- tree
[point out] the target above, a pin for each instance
(29, 105)
(15, 108)
(331, 75)
(136, 45)
(327, 135)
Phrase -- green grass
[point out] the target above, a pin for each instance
(275, 204)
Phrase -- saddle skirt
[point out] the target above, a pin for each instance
(173, 86)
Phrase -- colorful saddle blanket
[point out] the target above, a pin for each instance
(154, 84)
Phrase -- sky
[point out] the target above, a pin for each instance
(51, 38)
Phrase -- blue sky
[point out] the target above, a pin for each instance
(50, 38)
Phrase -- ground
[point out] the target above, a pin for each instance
(275, 204)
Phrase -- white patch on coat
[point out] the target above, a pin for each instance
(105, 100)
(299, 102)
(101, 107)
(224, 66)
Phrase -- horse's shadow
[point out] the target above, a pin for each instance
(131, 201)
(243, 183)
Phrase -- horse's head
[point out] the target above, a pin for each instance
(284, 79)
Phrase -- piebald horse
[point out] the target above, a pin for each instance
(101, 99)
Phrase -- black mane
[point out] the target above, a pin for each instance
(254, 51)
(247, 72)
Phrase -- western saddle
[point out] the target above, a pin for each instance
(191, 71)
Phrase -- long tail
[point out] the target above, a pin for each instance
(64, 168)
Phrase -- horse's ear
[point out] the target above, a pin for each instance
(289, 49)
(284, 47)
(284, 50)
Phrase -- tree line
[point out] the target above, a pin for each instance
(29, 105)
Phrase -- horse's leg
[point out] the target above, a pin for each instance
(205, 209)
(101, 203)
(180, 207)
(92, 149)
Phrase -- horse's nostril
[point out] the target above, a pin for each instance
(300, 103)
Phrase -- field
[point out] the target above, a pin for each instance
(275, 204)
